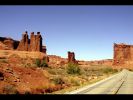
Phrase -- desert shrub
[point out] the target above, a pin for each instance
(115, 70)
(58, 80)
(107, 70)
(73, 69)
(38, 62)
(44, 64)
(41, 64)
(52, 71)
(27, 92)
(10, 89)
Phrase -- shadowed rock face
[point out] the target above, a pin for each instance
(38, 42)
(9, 43)
(71, 57)
(44, 49)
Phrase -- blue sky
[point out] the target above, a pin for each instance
(89, 31)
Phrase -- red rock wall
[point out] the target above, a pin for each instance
(123, 55)
(44, 49)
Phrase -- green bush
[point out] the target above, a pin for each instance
(44, 64)
(38, 62)
(58, 80)
(73, 69)
(41, 64)
(10, 89)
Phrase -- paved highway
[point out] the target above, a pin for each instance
(121, 83)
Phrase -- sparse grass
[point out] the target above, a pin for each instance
(89, 75)
(109, 70)
(75, 81)
(71, 88)
(14, 56)
(56, 71)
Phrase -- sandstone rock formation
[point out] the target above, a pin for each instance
(38, 42)
(23, 45)
(123, 55)
(26, 44)
(35, 42)
(71, 57)
(8, 43)
(32, 44)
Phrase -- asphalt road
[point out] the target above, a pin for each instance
(121, 83)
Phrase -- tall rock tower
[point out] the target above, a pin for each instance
(71, 57)
(23, 45)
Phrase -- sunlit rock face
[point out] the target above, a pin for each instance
(123, 55)
(23, 45)
(32, 44)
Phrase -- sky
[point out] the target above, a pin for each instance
(88, 31)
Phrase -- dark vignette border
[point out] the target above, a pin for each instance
(66, 2)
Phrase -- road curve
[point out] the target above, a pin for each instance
(121, 83)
